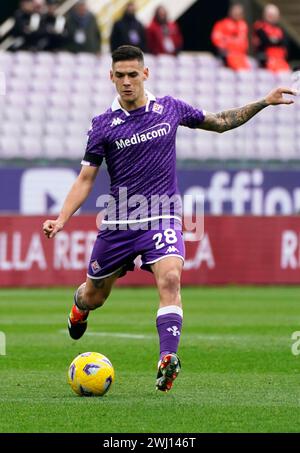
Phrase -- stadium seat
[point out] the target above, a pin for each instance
(59, 99)
(42, 71)
(77, 129)
(31, 147)
(52, 97)
(75, 147)
(224, 146)
(14, 113)
(10, 128)
(18, 84)
(227, 75)
(225, 88)
(6, 60)
(38, 99)
(15, 99)
(203, 144)
(44, 58)
(81, 100)
(53, 148)
(55, 128)
(82, 115)
(33, 128)
(56, 113)
(287, 149)
(63, 73)
(10, 146)
(24, 57)
(64, 57)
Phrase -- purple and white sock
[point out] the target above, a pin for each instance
(169, 325)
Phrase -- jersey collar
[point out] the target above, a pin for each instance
(117, 106)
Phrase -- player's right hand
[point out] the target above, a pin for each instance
(52, 227)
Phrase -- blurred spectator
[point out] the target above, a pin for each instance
(83, 33)
(128, 30)
(53, 27)
(27, 28)
(270, 41)
(163, 36)
(230, 38)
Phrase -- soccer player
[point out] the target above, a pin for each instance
(136, 137)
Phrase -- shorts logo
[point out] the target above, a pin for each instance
(157, 108)
(172, 249)
(95, 267)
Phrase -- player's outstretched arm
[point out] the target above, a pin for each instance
(230, 119)
(75, 198)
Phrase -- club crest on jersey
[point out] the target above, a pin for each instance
(117, 122)
(95, 266)
(157, 108)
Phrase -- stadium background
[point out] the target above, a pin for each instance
(247, 379)
(252, 171)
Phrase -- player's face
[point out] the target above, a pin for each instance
(129, 77)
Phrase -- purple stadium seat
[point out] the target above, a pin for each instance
(31, 147)
(59, 100)
(36, 112)
(55, 128)
(80, 115)
(287, 149)
(75, 147)
(10, 146)
(14, 113)
(10, 128)
(33, 128)
(225, 88)
(18, 84)
(228, 75)
(56, 113)
(13, 98)
(51, 99)
(45, 58)
(24, 57)
(77, 129)
(64, 57)
(263, 75)
(61, 86)
(38, 99)
(53, 147)
(224, 146)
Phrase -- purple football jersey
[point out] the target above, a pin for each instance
(139, 150)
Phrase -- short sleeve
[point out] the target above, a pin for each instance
(94, 152)
(188, 115)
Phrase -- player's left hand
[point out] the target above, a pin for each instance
(275, 97)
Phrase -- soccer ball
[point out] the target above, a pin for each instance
(91, 374)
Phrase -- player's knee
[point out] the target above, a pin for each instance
(170, 281)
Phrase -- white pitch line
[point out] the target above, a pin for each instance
(236, 338)
(117, 335)
(121, 335)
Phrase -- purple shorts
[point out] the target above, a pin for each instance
(117, 249)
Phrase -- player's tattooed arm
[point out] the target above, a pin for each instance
(230, 119)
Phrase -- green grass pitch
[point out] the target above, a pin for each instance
(238, 375)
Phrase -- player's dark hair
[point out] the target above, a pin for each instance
(124, 53)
